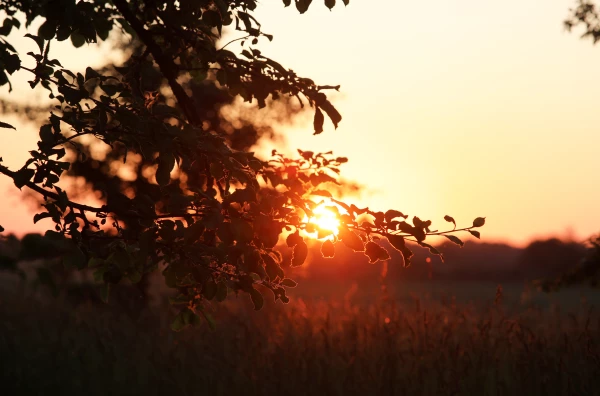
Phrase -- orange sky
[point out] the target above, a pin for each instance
(468, 108)
(458, 107)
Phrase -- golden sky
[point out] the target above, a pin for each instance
(460, 107)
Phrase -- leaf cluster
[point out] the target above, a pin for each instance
(215, 216)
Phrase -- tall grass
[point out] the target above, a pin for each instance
(310, 347)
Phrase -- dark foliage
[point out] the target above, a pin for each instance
(201, 208)
(585, 271)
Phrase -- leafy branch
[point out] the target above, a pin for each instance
(214, 217)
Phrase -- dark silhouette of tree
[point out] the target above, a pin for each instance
(585, 271)
(240, 132)
(584, 15)
(199, 206)
(550, 258)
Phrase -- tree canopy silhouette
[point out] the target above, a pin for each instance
(584, 15)
(203, 209)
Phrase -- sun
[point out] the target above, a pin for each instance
(325, 219)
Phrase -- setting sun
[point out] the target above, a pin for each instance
(325, 219)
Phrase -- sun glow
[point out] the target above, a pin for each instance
(325, 220)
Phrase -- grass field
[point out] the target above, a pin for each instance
(416, 339)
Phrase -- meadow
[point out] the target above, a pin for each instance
(419, 338)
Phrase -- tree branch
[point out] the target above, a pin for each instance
(49, 194)
(86, 208)
(166, 65)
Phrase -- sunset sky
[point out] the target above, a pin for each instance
(460, 107)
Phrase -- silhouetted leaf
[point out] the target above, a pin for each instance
(272, 268)
(63, 32)
(22, 177)
(392, 214)
(288, 283)
(322, 193)
(330, 4)
(302, 5)
(110, 90)
(40, 216)
(5, 125)
(455, 240)
(320, 178)
(332, 113)
(449, 219)
(399, 244)
(38, 40)
(420, 223)
(213, 19)
(432, 250)
(46, 134)
(293, 239)
(91, 73)
(476, 234)
(396, 241)
(318, 121)
(257, 299)
(47, 30)
(77, 39)
(479, 222)
(375, 252)
(328, 249)
(405, 227)
(418, 233)
(12, 63)
(300, 254)
(350, 239)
